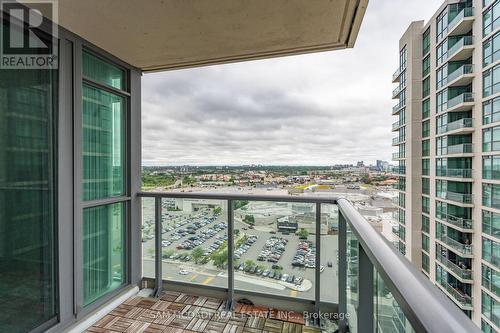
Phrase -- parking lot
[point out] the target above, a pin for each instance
(210, 235)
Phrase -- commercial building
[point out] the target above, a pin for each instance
(448, 155)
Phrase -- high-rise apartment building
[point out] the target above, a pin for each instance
(448, 153)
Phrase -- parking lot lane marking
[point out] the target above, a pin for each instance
(293, 293)
(208, 280)
(193, 277)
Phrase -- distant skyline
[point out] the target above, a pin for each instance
(317, 109)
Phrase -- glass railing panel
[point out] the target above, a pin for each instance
(459, 197)
(352, 281)
(454, 173)
(388, 315)
(462, 98)
(462, 272)
(457, 294)
(329, 252)
(464, 41)
(466, 12)
(194, 241)
(462, 148)
(465, 249)
(148, 237)
(465, 69)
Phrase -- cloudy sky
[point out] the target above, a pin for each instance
(316, 109)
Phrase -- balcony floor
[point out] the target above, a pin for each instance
(176, 312)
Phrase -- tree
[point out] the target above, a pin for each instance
(220, 259)
(249, 263)
(197, 254)
(249, 219)
(167, 253)
(303, 233)
(217, 210)
(366, 179)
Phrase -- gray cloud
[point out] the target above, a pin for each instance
(316, 109)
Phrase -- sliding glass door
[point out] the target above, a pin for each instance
(104, 146)
(28, 105)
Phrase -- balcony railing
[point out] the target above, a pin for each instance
(397, 125)
(399, 170)
(465, 198)
(455, 125)
(398, 107)
(397, 140)
(462, 42)
(462, 98)
(457, 294)
(454, 173)
(363, 256)
(397, 73)
(464, 249)
(398, 186)
(396, 91)
(397, 155)
(461, 222)
(463, 272)
(463, 70)
(466, 12)
(463, 148)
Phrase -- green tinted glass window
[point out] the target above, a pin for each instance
(103, 250)
(103, 72)
(103, 144)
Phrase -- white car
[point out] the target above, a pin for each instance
(183, 272)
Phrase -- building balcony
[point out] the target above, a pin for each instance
(464, 250)
(462, 102)
(399, 170)
(462, 23)
(397, 74)
(459, 150)
(460, 198)
(397, 91)
(396, 125)
(462, 299)
(462, 49)
(454, 173)
(462, 223)
(461, 126)
(462, 272)
(398, 156)
(461, 77)
(398, 140)
(398, 107)
(354, 268)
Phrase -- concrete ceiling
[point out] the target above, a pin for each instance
(158, 35)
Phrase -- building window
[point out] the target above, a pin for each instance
(425, 243)
(426, 148)
(442, 24)
(491, 81)
(491, 139)
(442, 101)
(491, 223)
(425, 186)
(490, 308)
(490, 279)
(426, 108)
(426, 128)
(485, 327)
(442, 76)
(425, 167)
(491, 167)
(491, 195)
(491, 19)
(425, 224)
(425, 205)
(426, 87)
(426, 42)
(491, 48)
(442, 52)
(104, 177)
(491, 111)
(425, 262)
(426, 66)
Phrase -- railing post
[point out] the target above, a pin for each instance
(365, 292)
(317, 278)
(158, 259)
(230, 254)
(342, 272)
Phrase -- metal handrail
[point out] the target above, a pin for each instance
(424, 305)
